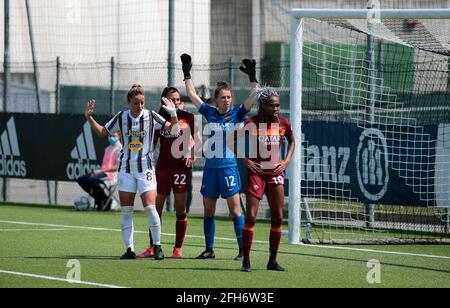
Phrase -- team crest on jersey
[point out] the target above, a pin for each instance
(256, 187)
(136, 146)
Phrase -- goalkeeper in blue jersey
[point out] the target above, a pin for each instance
(221, 176)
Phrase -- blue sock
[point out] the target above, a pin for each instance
(209, 227)
(238, 229)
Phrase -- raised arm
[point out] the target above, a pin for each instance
(97, 128)
(248, 104)
(186, 60)
(249, 68)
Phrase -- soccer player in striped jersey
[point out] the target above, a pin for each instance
(137, 127)
(266, 171)
(221, 175)
(174, 170)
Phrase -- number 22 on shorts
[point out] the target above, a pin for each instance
(180, 179)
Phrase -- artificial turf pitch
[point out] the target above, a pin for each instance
(40, 244)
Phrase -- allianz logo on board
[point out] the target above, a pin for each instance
(332, 164)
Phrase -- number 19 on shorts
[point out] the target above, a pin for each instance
(278, 180)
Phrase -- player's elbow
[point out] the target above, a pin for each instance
(192, 95)
(102, 133)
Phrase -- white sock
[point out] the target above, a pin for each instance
(154, 224)
(127, 227)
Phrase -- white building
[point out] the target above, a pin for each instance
(92, 31)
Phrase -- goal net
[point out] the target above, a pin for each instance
(373, 96)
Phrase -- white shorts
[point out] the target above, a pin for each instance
(137, 182)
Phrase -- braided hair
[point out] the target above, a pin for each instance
(263, 96)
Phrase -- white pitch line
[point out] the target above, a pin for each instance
(56, 226)
(107, 229)
(62, 280)
(33, 230)
(376, 251)
(229, 239)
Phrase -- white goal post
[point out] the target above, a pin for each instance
(297, 30)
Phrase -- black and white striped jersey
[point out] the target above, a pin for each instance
(137, 138)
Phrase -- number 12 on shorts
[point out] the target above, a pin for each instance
(231, 181)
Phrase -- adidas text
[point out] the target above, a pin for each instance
(11, 167)
(75, 170)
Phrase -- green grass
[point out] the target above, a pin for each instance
(34, 249)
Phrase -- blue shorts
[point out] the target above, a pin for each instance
(225, 182)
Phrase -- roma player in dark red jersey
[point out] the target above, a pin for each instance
(267, 130)
(174, 169)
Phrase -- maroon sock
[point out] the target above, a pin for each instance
(275, 238)
(181, 227)
(247, 240)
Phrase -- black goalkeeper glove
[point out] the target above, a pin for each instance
(187, 65)
(249, 68)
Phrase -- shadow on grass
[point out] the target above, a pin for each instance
(103, 258)
(349, 259)
(205, 269)
(212, 261)
(405, 266)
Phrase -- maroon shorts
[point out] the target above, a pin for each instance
(178, 180)
(258, 184)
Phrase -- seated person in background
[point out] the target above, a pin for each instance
(91, 182)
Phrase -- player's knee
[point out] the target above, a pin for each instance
(236, 213)
(154, 219)
(181, 217)
(277, 222)
(209, 210)
(250, 220)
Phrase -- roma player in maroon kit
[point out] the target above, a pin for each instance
(266, 171)
(174, 169)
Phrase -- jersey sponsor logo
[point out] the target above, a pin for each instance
(136, 134)
(83, 153)
(136, 146)
(222, 127)
(9, 152)
(271, 135)
(372, 164)
(270, 140)
(169, 135)
(183, 125)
